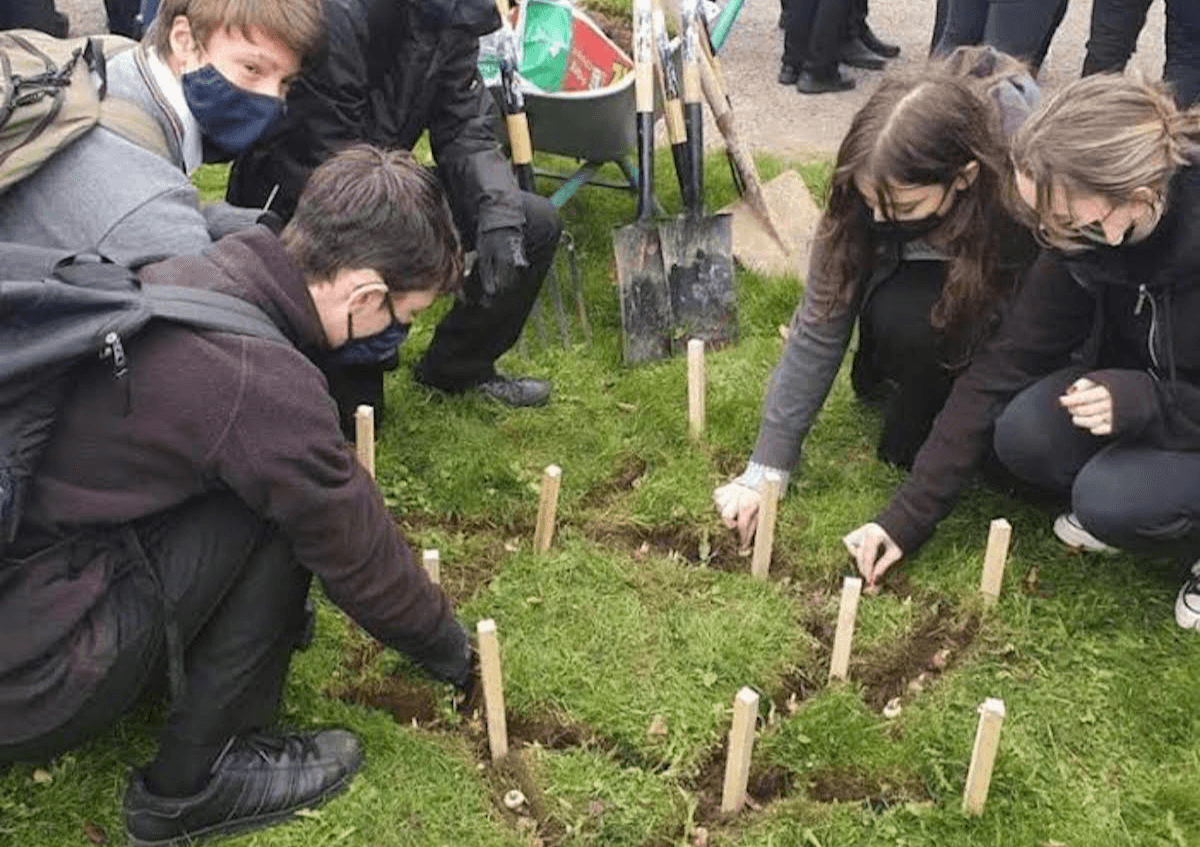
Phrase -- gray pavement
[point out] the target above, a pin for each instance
(777, 119)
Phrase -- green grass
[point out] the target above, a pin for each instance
(621, 629)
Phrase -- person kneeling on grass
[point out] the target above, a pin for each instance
(184, 509)
(1093, 380)
(914, 245)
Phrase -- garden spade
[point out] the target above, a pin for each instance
(668, 83)
(697, 250)
(641, 279)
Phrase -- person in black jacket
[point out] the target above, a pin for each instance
(1114, 32)
(1093, 380)
(392, 70)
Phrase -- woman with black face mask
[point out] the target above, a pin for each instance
(916, 247)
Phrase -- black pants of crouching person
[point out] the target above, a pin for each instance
(1129, 495)
(902, 359)
(238, 599)
(473, 334)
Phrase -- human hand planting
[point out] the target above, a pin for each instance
(873, 550)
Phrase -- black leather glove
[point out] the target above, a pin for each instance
(500, 253)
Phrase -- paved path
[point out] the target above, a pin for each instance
(777, 119)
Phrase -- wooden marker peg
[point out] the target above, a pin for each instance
(364, 437)
(839, 664)
(741, 745)
(547, 508)
(433, 565)
(994, 560)
(987, 739)
(493, 688)
(764, 536)
(696, 387)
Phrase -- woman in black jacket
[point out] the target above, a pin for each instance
(1093, 381)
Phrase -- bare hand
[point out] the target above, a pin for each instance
(873, 551)
(738, 505)
(1090, 406)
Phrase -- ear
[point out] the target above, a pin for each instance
(182, 41)
(967, 175)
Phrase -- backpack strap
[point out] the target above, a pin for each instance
(127, 120)
(212, 310)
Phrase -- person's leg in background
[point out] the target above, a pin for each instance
(820, 73)
(1113, 35)
(963, 24)
(1183, 50)
(939, 25)
(472, 336)
(795, 21)
(861, 48)
(899, 345)
(33, 14)
(123, 17)
(1023, 28)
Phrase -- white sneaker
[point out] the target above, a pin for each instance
(1071, 532)
(1187, 604)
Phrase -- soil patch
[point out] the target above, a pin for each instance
(909, 664)
(765, 785)
(698, 546)
(512, 773)
(619, 29)
(629, 471)
(409, 701)
(848, 785)
(554, 733)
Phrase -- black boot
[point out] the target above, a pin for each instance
(856, 54)
(822, 81)
(872, 42)
(258, 780)
(788, 74)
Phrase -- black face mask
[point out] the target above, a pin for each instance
(907, 230)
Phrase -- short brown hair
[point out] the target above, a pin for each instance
(378, 209)
(299, 24)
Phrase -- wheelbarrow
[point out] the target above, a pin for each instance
(596, 126)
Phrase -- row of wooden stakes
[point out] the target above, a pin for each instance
(745, 706)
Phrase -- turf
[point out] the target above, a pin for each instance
(624, 646)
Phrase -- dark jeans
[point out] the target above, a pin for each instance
(238, 597)
(1116, 25)
(33, 14)
(1126, 494)
(123, 17)
(901, 357)
(813, 32)
(1021, 28)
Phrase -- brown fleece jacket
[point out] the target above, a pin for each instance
(202, 412)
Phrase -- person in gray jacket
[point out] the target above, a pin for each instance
(211, 74)
(916, 247)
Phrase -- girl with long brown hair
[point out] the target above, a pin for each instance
(915, 246)
(1091, 388)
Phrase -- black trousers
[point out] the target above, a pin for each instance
(813, 32)
(1116, 25)
(901, 358)
(123, 17)
(1021, 28)
(238, 597)
(33, 14)
(1126, 494)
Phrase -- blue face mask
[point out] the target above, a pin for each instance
(230, 117)
(374, 348)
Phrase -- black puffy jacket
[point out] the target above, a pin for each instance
(392, 69)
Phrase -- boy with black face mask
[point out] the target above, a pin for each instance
(212, 75)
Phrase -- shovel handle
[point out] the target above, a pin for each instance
(689, 13)
(643, 92)
(515, 121)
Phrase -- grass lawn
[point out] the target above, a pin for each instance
(624, 646)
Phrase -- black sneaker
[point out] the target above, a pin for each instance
(823, 82)
(871, 40)
(856, 54)
(258, 780)
(516, 391)
(788, 74)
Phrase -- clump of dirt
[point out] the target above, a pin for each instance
(765, 785)
(771, 784)
(850, 785)
(629, 470)
(798, 685)
(619, 29)
(934, 645)
(408, 700)
(554, 733)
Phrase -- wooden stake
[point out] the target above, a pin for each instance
(741, 746)
(764, 536)
(433, 565)
(493, 688)
(364, 437)
(839, 665)
(547, 508)
(696, 387)
(987, 739)
(994, 560)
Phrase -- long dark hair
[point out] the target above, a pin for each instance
(924, 130)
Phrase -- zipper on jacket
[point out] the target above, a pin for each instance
(115, 350)
(1144, 297)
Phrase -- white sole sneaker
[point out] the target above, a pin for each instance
(1071, 532)
(1187, 604)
